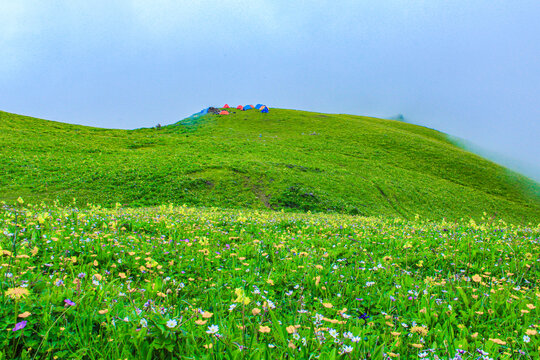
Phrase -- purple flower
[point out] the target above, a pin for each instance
(19, 325)
(69, 302)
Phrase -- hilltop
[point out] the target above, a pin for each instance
(286, 159)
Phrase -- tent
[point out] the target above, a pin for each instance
(239, 107)
(258, 106)
(223, 112)
(265, 110)
(204, 111)
(247, 107)
(226, 106)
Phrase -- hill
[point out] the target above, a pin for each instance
(286, 159)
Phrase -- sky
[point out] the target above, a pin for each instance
(468, 68)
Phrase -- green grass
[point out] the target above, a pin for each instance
(152, 283)
(292, 160)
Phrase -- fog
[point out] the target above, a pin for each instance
(467, 69)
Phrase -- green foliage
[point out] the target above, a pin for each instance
(188, 283)
(291, 160)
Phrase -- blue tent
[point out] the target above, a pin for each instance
(258, 106)
(247, 107)
(265, 110)
(204, 111)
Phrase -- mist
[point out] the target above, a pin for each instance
(469, 69)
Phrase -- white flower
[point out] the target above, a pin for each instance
(143, 322)
(212, 329)
(526, 339)
(348, 335)
(346, 349)
(356, 339)
(171, 324)
(232, 307)
(333, 333)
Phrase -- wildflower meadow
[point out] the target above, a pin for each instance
(175, 282)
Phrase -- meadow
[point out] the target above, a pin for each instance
(287, 159)
(178, 282)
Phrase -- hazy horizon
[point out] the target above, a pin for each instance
(466, 69)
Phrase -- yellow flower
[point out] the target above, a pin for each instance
(208, 346)
(104, 311)
(17, 293)
(476, 278)
(200, 322)
(418, 346)
(255, 311)
(395, 333)
(419, 330)
(241, 297)
(328, 305)
(269, 281)
(20, 200)
(207, 315)
(531, 306)
(498, 341)
(531, 332)
(292, 329)
(264, 329)
(24, 315)
(122, 275)
(387, 258)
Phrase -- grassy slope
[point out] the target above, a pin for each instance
(285, 159)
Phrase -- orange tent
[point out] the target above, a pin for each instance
(239, 107)
(223, 112)
(226, 106)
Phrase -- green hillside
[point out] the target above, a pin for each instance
(286, 159)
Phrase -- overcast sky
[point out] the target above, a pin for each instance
(467, 68)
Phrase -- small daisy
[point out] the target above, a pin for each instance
(171, 324)
(212, 329)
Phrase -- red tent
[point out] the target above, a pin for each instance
(223, 112)
(239, 107)
(226, 106)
